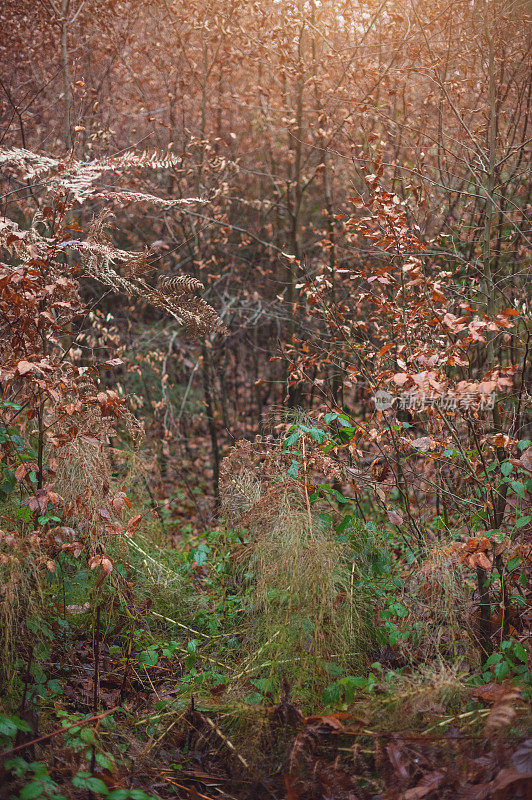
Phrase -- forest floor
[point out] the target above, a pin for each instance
(162, 699)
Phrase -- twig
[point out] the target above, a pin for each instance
(233, 749)
(56, 732)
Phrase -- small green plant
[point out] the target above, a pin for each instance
(39, 785)
(344, 690)
(509, 662)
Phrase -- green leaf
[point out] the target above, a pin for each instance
(264, 685)
(10, 725)
(330, 417)
(18, 766)
(394, 636)
(87, 736)
(9, 483)
(506, 468)
(524, 443)
(399, 610)
(32, 790)
(7, 727)
(148, 657)
(513, 563)
(356, 681)
(103, 761)
(317, 434)
(334, 670)
(253, 699)
(501, 670)
(522, 521)
(520, 652)
(293, 469)
(200, 556)
(493, 659)
(338, 496)
(332, 694)
(347, 520)
(84, 780)
(347, 433)
(519, 488)
(292, 439)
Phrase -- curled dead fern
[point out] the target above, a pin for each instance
(180, 284)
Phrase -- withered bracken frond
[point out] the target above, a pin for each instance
(139, 197)
(120, 270)
(503, 712)
(30, 164)
(180, 284)
(79, 177)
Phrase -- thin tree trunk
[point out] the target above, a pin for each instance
(67, 94)
(213, 432)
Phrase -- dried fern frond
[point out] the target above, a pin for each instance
(139, 197)
(100, 259)
(198, 317)
(180, 284)
(503, 712)
(79, 177)
(120, 270)
(30, 164)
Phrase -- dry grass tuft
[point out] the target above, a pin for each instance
(303, 579)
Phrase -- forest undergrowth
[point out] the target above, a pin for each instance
(265, 400)
(320, 640)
